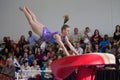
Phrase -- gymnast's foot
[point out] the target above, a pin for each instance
(22, 8)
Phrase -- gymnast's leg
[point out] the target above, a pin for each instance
(36, 26)
(32, 15)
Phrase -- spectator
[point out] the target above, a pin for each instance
(8, 43)
(25, 65)
(6, 52)
(111, 48)
(78, 48)
(88, 48)
(22, 42)
(75, 37)
(31, 54)
(36, 68)
(86, 36)
(26, 57)
(15, 62)
(48, 75)
(32, 39)
(9, 69)
(39, 56)
(104, 43)
(3, 60)
(116, 35)
(118, 57)
(97, 48)
(18, 54)
(50, 53)
(96, 38)
(25, 75)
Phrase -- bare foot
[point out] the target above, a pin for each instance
(66, 16)
(22, 8)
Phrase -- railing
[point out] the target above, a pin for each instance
(25, 74)
(100, 74)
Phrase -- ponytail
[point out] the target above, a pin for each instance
(66, 19)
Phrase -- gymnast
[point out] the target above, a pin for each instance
(45, 34)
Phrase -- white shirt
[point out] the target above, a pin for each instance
(80, 50)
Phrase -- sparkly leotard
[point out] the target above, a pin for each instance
(47, 35)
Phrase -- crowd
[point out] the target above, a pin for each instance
(34, 53)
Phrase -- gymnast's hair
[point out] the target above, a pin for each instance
(66, 19)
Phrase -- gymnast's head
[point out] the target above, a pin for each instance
(65, 28)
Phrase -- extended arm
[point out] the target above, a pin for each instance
(70, 45)
(58, 39)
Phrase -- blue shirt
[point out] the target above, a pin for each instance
(32, 39)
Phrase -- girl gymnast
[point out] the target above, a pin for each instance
(47, 35)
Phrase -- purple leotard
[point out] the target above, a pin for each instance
(47, 35)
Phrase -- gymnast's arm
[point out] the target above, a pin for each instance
(59, 41)
(70, 45)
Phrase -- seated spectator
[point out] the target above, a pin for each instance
(104, 43)
(18, 54)
(9, 70)
(44, 62)
(59, 53)
(5, 52)
(86, 36)
(4, 40)
(96, 38)
(8, 43)
(78, 48)
(36, 69)
(48, 75)
(31, 54)
(25, 74)
(25, 49)
(39, 56)
(22, 42)
(35, 66)
(26, 57)
(49, 45)
(75, 37)
(25, 65)
(118, 57)
(116, 35)
(111, 48)
(88, 48)
(3, 60)
(50, 53)
(97, 48)
(13, 47)
(15, 62)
